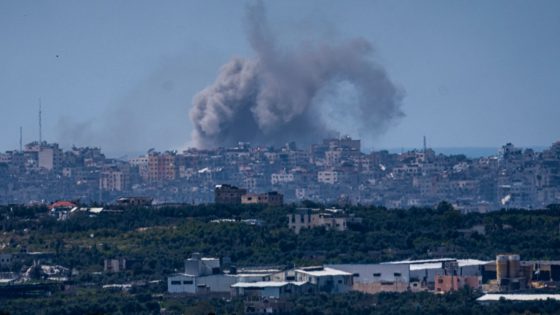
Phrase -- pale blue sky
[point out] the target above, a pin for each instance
(476, 73)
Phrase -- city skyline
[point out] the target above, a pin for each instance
(333, 170)
(497, 74)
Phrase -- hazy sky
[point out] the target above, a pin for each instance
(122, 74)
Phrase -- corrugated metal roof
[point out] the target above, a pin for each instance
(435, 265)
(421, 261)
(260, 284)
(472, 262)
(325, 272)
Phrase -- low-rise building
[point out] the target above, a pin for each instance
(114, 265)
(203, 275)
(305, 218)
(449, 283)
(423, 273)
(191, 284)
(271, 289)
(325, 279)
(228, 194)
(270, 198)
(375, 278)
(134, 201)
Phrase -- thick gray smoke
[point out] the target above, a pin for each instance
(279, 95)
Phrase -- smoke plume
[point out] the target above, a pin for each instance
(282, 95)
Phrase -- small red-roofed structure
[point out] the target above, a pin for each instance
(62, 204)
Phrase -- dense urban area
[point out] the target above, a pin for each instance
(335, 171)
(251, 230)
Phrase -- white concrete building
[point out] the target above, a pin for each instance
(202, 275)
(281, 178)
(185, 283)
(311, 218)
(375, 278)
(325, 279)
(202, 266)
(271, 289)
(327, 177)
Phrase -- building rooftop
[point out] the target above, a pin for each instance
(326, 271)
(181, 274)
(265, 284)
(421, 261)
(472, 262)
(435, 265)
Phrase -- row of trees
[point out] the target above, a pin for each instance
(106, 302)
(157, 240)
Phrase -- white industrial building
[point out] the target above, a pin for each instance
(271, 289)
(185, 283)
(423, 272)
(204, 275)
(325, 279)
(375, 278)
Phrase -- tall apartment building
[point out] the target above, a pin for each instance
(48, 156)
(114, 180)
(142, 163)
(161, 166)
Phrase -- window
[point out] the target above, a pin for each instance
(440, 280)
(397, 274)
(356, 275)
(377, 275)
(175, 282)
(188, 282)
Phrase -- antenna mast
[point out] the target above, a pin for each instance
(40, 124)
